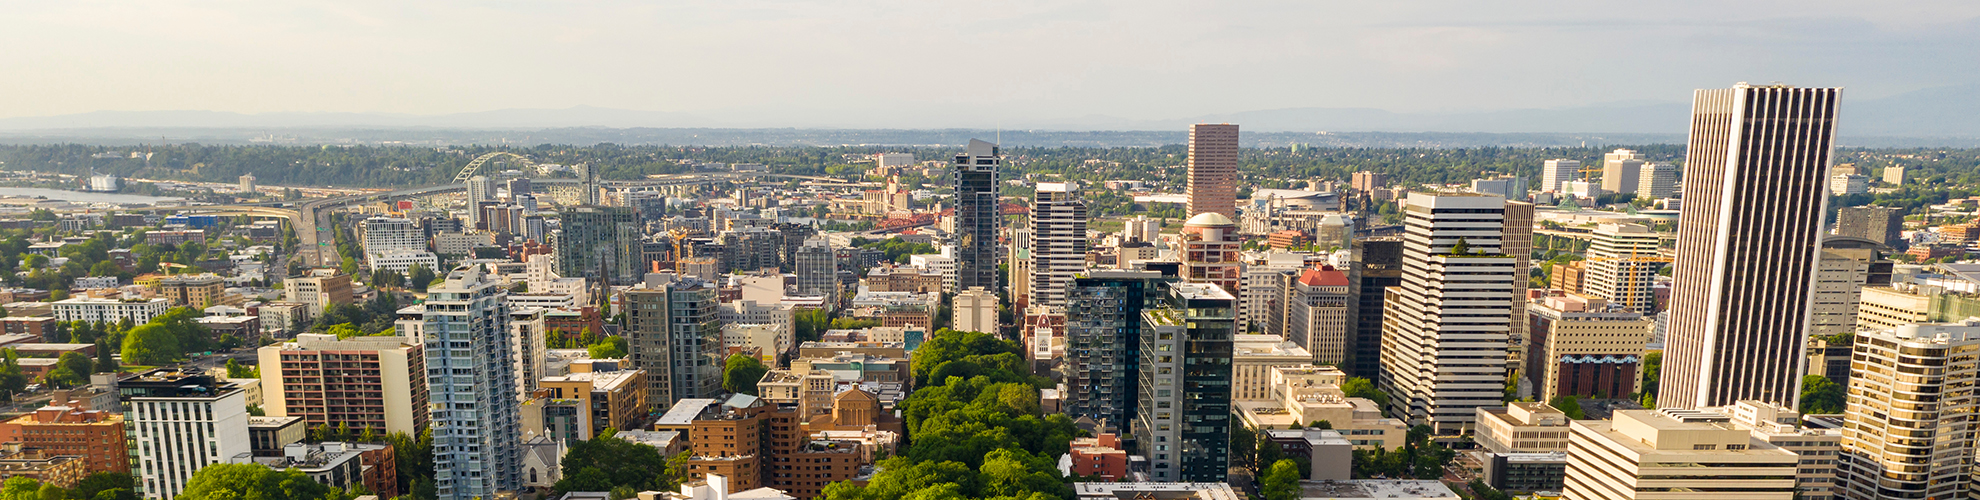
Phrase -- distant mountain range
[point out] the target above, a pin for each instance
(1936, 116)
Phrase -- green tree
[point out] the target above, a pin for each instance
(255, 482)
(237, 370)
(1819, 395)
(105, 362)
(741, 374)
(613, 347)
(1282, 481)
(419, 277)
(151, 344)
(72, 370)
(1359, 387)
(1569, 405)
(605, 463)
(93, 486)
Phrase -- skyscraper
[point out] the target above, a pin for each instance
(1447, 328)
(477, 450)
(480, 189)
(1213, 169)
(817, 269)
(181, 422)
(1879, 224)
(1555, 174)
(675, 331)
(1377, 266)
(1622, 265)
(1749, 236)
(1103, 343)
(1910, 405)
(977, 217)
(1183, 416)
(1059, 242)
(599, 242)
(1620, 171)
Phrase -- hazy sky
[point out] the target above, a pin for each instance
(929, 63)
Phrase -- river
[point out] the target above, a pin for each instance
(82, 197)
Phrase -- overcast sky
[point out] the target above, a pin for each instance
(969, 64)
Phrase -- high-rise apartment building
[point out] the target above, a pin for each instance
(376, 383)
(470, 380)
(1910, 405)
(1657, 180)
(181, 422)
(1517, 241)
(1621, 170)
(95, 434)
(383, 235)
(1059, 244)
(1447, 328)
(1880, 224)
(1183, 416)
(319, 290)
(1213, 169)
(529, 339)
(1894, 175)
(518, 187)
(1555, 174)
(817, 269)
(1210, 254)
(1377, 265)
(675, 332)
(1622, 266)
(600, 242)
(1674, 454)
(480, 190)
(1262, 296)
(1365, 181)
(1749, 236)
(1103, 343)
(978, 218)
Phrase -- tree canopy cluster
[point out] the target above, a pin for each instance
(976, 432)
(98, 486)
(608, 463)
(167, 338)
(741, 373)
(256, 482)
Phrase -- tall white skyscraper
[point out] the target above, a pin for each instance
(1749, 237)
(477, 448)
(1058, 245)
(1555, 174)
(1445, 339)
(479, 189)
(181, 422)
(1622, 265)
(1620, 169)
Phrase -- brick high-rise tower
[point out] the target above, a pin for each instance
(1213, 167)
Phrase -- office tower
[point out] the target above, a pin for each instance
(817, 269)
(1316, 313)
(1555, 174)
(1141, 228)
(1210, 254)
(1447, 328)
(1059, 242)
(1749, 235)
(376, 383)
(1907, 433)
(181, 422)
(480, 189)
(247, 183)
(675, 330)
(381, 235)
(1509, 186)
(599, 242)
(750, 249)
(1846, 266)
(1183, 416)
(1894, 175)
(1674, 454)
(1213, 169)
(319, 290)
(1103, 343)
(1262, 297)
(1022, 266)
(1377, 265)
(1588, 354)
(1657, 180)
(1880, 224)
(1365, 181)
(1517, 241)
(975, 310)
(477, 450)
(1845, 184)
(1815, 474)
(518, 188)
(1622, 265)
(1621, 170)
(978, 219)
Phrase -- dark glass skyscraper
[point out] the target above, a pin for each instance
(1103, 343)
(1749, 237)
(600, 242)
(977, 219)
(1377, 265)
(1183, 416)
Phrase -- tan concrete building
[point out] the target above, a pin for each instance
(1253, 356)
(1308, 394)
(319, 290)
(974, 310)
(1815, 475)
(1522, 428)
(1586, 354)
(615, 399)
(199, 290)
(1674, 454)
(376, 382)
(1622, 265)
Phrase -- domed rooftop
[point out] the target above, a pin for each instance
(1209, 219)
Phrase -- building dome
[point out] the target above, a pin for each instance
(1209, 219)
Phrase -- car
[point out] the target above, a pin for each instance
(32, 387)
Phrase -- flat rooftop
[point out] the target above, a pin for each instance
(1374, 488)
